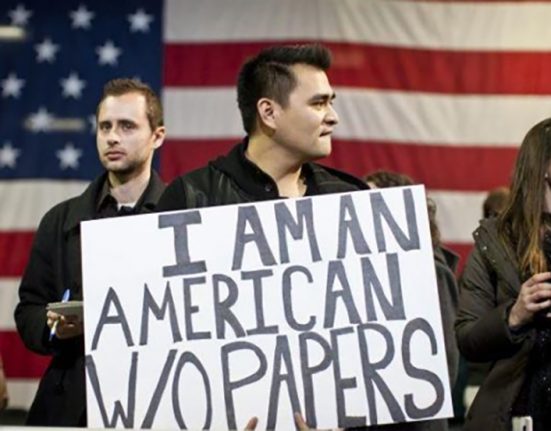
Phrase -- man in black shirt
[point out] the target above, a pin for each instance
(286, 105)
(129, 129)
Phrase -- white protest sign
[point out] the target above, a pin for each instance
(205, 318)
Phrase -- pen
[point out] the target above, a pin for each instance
(64, 298)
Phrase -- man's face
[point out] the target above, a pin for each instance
(124, 137)
(305, 125)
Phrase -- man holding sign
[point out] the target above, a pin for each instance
(129, 129)
(286, 105)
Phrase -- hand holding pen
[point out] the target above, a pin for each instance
(63, 327)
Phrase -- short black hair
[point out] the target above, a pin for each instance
(269, 74)
(382, 179)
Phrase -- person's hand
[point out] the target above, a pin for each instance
(300, 422)
(534, 296)
(66, 326)
(251, 425)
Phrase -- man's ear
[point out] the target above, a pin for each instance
(158, 136)
(267, 112)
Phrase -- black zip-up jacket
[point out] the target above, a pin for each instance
(233, 179)
(55, 265)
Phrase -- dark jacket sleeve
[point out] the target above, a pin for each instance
(38, 288)
(481, 326)
(448, 293)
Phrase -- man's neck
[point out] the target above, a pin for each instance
(278, 163)
(127, 189)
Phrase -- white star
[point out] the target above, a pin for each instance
(81, 18)
(92, 121)
(19, 16)
(12, 85)
(139, 21)
(72, 86)
(40, 121)
(68, 156)
(46, 51)
(8, 155)
(108, 53)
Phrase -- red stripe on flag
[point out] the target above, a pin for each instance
(438, 167)
(20, 363)
(14, 252)
(375, 66)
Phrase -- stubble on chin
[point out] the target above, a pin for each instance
(116, 167)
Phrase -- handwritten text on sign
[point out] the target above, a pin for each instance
(205, 318)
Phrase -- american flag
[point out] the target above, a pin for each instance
(441, 90)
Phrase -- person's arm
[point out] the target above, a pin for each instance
(482, 328)
(447, 295)
(38, 288)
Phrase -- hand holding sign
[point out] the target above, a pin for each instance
(299, 422)
(251, 425)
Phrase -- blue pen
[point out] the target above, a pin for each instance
(64, 298)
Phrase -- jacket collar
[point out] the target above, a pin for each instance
(149, 198)
(248, 176)
(258, 184)
(85, 206)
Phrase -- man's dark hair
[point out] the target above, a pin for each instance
(383, 179)
(269, 75)
(495, 202)
(121, 86)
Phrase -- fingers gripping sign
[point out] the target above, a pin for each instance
(251, 424)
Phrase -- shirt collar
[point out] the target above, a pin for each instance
(253, 180)
(147, 201)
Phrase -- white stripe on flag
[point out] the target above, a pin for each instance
(21, 392)
(374, 115)
(29, 200)
(8, 301)
(457, 214)
(437, 25)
